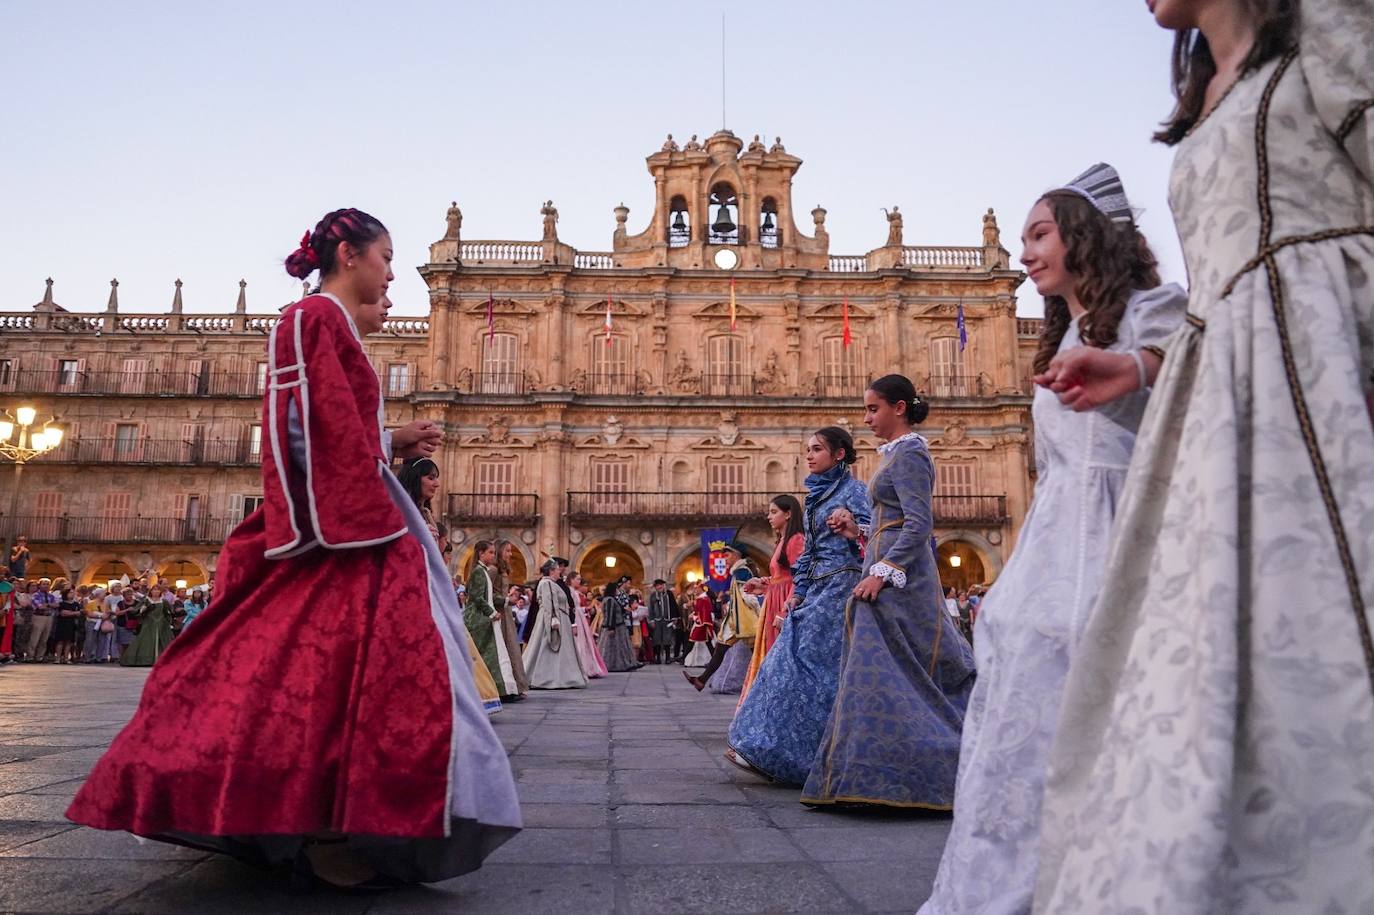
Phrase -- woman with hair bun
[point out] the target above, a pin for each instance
(778, 726)
(360, 756)
(1097, 274)
(905, 672)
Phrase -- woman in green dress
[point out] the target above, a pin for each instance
(154, 631)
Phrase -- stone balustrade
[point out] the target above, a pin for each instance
(942, 256)
(847, 263)
(594, 260)
(501, 252)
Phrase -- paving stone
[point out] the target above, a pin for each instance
(857, 843)
(668, 791)
(706, 845)
(14, 833)
(510, 889)
(556, 846)
(565, 816)
(742, 888)
(871, 883)
(687, 816)
(221, 886)
(43, 808)
(92, 844)
(70, 885)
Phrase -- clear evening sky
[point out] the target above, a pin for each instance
(200, 140)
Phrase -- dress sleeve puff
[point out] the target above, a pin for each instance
(1336, 53)
(912, 475)
(1152, 317)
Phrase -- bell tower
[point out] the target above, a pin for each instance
(716, 196)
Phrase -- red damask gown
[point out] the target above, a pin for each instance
(327, 687)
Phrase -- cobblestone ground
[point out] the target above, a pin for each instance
(629, 807)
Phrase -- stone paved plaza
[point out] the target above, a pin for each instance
(629, 807)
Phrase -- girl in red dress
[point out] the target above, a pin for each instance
(785, 518)
(361, 756)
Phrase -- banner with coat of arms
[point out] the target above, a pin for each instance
(715, 562)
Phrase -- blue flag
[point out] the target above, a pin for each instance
(963, 329)
(715, 562)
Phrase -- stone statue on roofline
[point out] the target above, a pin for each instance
(454, 220)
(550, 214)
(894, 227)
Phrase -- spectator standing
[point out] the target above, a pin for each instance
(65, 626)
(44, 608)
(23, 616)
(19, 557)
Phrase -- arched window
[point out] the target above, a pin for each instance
(770, 231)
(500, 365)
(725, 370)
(725, 227)
(679, 223)
(947, 378)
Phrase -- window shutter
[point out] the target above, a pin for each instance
(135, 379)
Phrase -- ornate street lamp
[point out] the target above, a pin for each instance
(27, 446)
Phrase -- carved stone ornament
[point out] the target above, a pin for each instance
(770, 377)
(574, 536)
(955, 433)
(728, 430)
(497, 430)
(612, 431)
(646, 537)
(683, 378)
(528, 536)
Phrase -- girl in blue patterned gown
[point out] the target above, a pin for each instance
(906, 672)
(779, 725)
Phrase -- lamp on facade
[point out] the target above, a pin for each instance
(692, 578)
(955, 562)
(181, 584)
(27, 446)
(610, 562)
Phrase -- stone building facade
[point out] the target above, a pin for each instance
(605, 405)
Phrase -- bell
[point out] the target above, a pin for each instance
(768, 222)
(723, 225)
(679, 224)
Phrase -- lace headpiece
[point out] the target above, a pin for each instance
(1101, 186)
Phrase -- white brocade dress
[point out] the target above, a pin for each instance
(1028, 625)
(1215, 750)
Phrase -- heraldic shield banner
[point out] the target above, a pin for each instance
(714, 561)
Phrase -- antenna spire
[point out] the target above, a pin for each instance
(724, 125)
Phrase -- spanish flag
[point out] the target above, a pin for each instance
(732, 303)
(848, 337)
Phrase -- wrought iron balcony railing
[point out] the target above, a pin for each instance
(118, 529)
(727, 385)
(137, 384)
(492, 382)
(985, 511)
(685, 507)
(955, 384)
(487, 507)
(152, 451)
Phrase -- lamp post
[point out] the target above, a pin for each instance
(27, 446)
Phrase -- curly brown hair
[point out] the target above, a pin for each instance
(1108, 260)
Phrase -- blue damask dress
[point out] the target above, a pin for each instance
(906, 672)
(779, 726)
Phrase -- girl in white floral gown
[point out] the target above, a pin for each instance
(1087, 258)
(1215, 750)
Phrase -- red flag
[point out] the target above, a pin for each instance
(491, 317)
(848, 337)
(608, 319)
(732, 303)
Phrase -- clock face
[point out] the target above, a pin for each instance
(726, 259)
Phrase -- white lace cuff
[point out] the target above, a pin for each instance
(890, 574)
(865, 528)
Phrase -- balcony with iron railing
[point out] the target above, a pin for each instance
(733, 384)
(493, 508)
(724, 507)
(955, 385)
(497, 383)
(153, 451)
(151, 383)
(613, 384)
(966, 511)
(121, 529)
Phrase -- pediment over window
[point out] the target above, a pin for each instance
(500, 307)
(722, 310)
(619, 308)
(836, 310)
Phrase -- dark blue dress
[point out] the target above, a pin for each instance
(906, 674)
(778, 727)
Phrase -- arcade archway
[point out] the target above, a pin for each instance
(962, 565)
(103, 571)
(45, 567)
(688, 570)
(610, 559)
(178, 570)
(520, 571)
